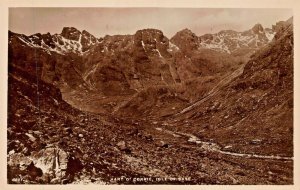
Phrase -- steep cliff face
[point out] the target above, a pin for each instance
(137, 60)
(186, 40)
(254, 112)
(50, 142)
(49, 66)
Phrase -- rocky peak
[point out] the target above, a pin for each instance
(186, 40)
(151, 36)
(152, 41)
(36, 38)
(37, 35)
(71, 33)
(186, 31)
(87, 40)
(150, 31)
(281, 25)
(86, 34)
(47, 39)
(186, 34)
(257, 28)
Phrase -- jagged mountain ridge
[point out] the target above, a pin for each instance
(120, 64)
(227, 41)
(69, 40)
(231, 41)
(72, 40)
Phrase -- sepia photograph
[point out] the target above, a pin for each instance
(150, 95)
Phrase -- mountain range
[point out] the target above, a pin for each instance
(124, 105)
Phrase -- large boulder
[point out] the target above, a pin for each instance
(47, 162)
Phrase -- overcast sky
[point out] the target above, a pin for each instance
(102, 21)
